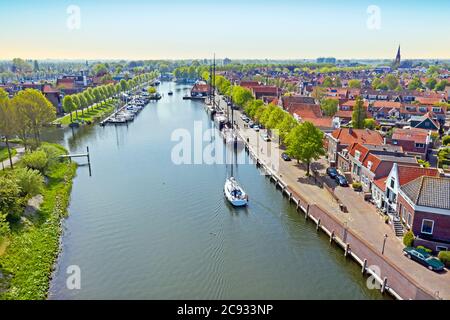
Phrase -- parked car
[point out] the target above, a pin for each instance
(251, 124)
(285, 157)
(332, 172)
(341, 180)
(265, 137)
(424, 258)
(256, 127)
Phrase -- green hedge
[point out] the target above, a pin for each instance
(444, 256)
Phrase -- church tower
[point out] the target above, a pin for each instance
(397, 58)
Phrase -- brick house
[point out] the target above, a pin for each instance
(400, 175)
(414, 141)
(342, 138)
(371, 163)
(424, 207)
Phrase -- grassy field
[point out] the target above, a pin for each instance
(32, 247)
(94, 114)
(4, 153)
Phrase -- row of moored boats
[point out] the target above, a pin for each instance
(130, 110)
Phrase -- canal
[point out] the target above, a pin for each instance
(143, 227)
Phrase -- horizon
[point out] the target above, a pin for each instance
(154, 30)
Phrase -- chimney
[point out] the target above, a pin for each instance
(350, 130)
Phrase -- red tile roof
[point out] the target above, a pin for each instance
(387, 104)
(349, 136)
(412, 134)
(305, 110)
(380, 183)
(409, 173)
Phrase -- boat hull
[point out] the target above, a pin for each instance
(238, 201)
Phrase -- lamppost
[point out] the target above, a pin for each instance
(384, 243)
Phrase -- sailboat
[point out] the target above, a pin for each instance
(234, 193)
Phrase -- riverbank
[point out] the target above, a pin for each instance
(34, 242)
(89, 115)
(360, 228)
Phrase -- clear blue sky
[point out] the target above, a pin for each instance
(138, 29)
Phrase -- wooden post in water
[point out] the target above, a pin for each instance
(364, 266)
(347, 249)
(89, 161)
(331, 236)
(383, 286)
(318, 224)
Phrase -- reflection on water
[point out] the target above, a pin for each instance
(144, 228)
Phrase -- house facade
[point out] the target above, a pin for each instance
(424, 208)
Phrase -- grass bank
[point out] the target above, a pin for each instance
(33, 244)
(4, 153)
(92, 115)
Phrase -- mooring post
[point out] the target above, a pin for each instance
(383, 286)
(347, 249)
(364, 266)
(331, 236)
(89, 161)
(318, 224)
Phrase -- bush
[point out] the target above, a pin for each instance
(36, 160)
(357, 185)
(30, 181)
(444, 256)
(10, 200)
(424, 249)
(4, 226)
(53, 152)
(408, 239)
(446, 140)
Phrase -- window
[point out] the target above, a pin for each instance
(441, 248)
(437, 109)
(357, 155)
(427, 226)
(409, 220)
(392, 183)
(420, 145)
(369, 165)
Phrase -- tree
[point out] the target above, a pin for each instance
(76, 102)
(354, 84)
(415, 84)
(327, 82)
(375, 83)
(241, 96)
(7, 128)
(431, 83)
(286, 125)
(441, 85)
(391, 81)
(305, 143)
(329, 106)
(359, 114)
(37, 109)
(68, 106)
(151, 90)
(370, 124)
(123, 85)
(275, 118)
(318, 93)
(408, 239)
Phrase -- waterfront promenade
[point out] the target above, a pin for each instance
(361, 218)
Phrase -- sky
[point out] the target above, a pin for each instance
(237, 29)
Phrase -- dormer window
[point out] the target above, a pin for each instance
(423, 109)
(369, 165)
(357, 155)
(437, 109)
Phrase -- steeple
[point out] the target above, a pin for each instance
(397, 58)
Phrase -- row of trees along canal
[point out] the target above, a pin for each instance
(99, 95)
(303, 141)
(25, 115)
